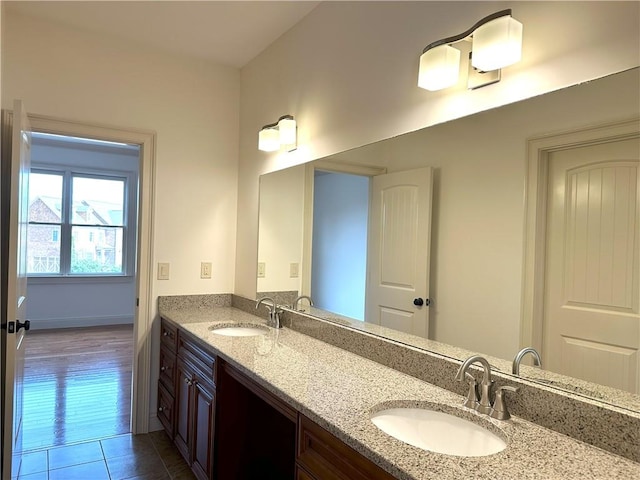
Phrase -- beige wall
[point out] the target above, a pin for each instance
(190, 104)
(348, 73)
(477, 236)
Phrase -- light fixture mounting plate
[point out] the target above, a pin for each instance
(478, 79)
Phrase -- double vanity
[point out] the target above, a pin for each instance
(242, 399)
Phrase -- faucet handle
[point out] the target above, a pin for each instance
(472, 394)
(499, 411)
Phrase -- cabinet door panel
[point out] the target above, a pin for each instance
(203, 428)
(184, 400)
(301, 474)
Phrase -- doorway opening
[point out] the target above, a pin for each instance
(81, 251)
(339, 252)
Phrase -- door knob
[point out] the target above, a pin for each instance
(26, 325)
(418, 302)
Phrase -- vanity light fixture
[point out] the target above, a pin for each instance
(282, 134)
(496, 43)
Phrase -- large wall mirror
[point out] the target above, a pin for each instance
(440, 215)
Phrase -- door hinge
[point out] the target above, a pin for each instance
(137, 302)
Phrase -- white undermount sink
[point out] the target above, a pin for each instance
(438, 432)
(239, 330)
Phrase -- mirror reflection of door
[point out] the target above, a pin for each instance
(339, 244)
(15, 204)
(399, 251)
(593, 263)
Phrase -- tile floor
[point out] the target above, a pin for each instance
(139, 457)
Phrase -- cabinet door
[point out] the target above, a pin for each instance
(301, 474)
(183, 410)
(203, 428)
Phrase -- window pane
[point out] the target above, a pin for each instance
(97, 201)
(96, 249)
(43, 249)
(45, 197)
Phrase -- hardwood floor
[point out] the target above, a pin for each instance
(77, 385)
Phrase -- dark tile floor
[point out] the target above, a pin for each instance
(140, 457)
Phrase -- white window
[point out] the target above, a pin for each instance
(78, 223)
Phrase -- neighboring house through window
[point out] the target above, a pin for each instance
(79, 221)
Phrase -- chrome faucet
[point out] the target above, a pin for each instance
(294, 305)
(515, 368)
(484, 404)
(274, 311)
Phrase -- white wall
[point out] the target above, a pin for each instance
(281, 214)
(348, 73)
(191, 105)
(478, 210)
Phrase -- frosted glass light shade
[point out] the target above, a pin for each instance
(268, 140)
(497, 44)
(287, 127)
(439, 68)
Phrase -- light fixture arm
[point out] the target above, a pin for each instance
(467, 33)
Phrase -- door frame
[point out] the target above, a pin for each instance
(309, 182)
(535, 220)
(142, 324)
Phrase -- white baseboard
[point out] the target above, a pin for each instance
(75, 322)
(154, 423)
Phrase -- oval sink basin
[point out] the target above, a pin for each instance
(438, 432)
(239, 330)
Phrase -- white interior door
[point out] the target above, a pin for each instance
(591, 322)
(15, 191)
(399, 245)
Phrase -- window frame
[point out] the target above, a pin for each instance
(69, 172)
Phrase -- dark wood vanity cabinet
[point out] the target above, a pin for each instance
(320, 455)
(227, 427)
(186, 389)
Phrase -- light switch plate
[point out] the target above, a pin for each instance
(262, 267)
(294, 270)
(163, 271)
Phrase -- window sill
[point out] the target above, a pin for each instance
(49, 280)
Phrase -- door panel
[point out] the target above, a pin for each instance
(592, 308)
(15, 190)
(399, 243)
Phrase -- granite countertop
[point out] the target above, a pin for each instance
(339, 391)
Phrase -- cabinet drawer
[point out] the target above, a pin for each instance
(165, 410)
(167, 369)
(190, 350)
(168, 335)
(327, 457)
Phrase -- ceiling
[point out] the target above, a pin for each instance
(225, 32)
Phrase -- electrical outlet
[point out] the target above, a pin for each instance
(262, 267)
(163, 271)
(205, 270)
(294, 270)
